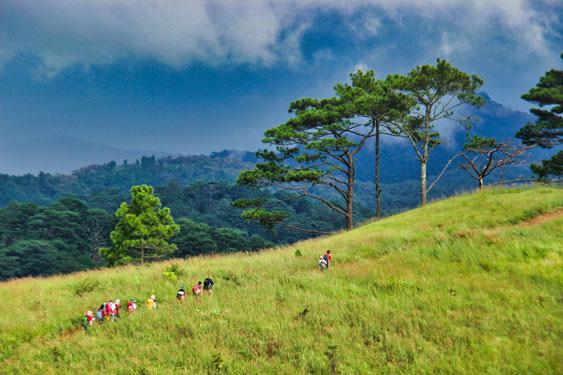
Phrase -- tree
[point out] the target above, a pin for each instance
(98, 224)
(315, 148)
(380, 106)
(547, 131)
(437, 90)
(484, 155)
(549, 167)
(142, 231)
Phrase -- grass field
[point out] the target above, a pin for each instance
(471, 284)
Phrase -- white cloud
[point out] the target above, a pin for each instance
(452, 45)
(360, 66)
(64, 33)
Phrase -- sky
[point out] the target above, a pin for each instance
(197, 76)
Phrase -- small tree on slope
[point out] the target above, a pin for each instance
(482, 156)
(142, 231)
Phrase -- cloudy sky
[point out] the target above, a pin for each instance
(196, 76)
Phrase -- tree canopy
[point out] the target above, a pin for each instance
(316, 148)
(547, 131)
(142, 231)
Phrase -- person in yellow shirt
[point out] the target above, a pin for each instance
(151, 303)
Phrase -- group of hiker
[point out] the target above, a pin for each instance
(197, 289)
(110, 311)
(325, 260)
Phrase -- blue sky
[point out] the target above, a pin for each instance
(198, 76)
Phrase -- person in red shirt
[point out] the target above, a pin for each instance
(108, 310)
(328, 258)
(131, 305)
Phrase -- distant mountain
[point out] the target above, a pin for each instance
(61, 155)
(119, 177)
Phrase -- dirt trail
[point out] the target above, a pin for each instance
(543, 218)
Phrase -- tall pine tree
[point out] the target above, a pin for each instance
(547, 131)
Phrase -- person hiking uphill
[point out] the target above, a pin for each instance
(117, 308)
(132, 305)
(112, 310)
(88, 320)
(101, 313)
(323, 264)
(151, 303)
(181, 294)
(196, 290)
(328, 258)
(107, 313)
(208, 285)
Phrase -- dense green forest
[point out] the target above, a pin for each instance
(65, 235)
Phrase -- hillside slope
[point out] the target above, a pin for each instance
(471, 284)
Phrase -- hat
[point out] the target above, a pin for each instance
(153, 296)
(89, 313)
(117, 301)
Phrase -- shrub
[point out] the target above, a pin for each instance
(173, 271)
(84, 286)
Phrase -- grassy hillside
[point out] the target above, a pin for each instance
(472, 284)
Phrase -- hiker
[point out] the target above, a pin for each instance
(101, 313)
(151, 303)
(107, 313)
(328, 258)
(117, 307)
(111, 310)
(131, 305)
(323, 264)
(196, 290)
(208, 285)
(88, 320)
(181, 294)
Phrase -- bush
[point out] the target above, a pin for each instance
(173, 271)
(84, 286)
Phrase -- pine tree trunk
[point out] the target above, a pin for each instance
(480, 182)
(423, 182)
(350, 194)
(377, 181)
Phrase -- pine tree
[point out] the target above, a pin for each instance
(142, 231)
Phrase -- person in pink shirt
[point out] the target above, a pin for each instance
(196, 290)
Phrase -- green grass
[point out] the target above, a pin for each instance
(464, 285)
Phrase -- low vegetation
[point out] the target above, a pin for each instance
(471, 284)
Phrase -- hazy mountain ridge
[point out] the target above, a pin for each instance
(61, 154)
